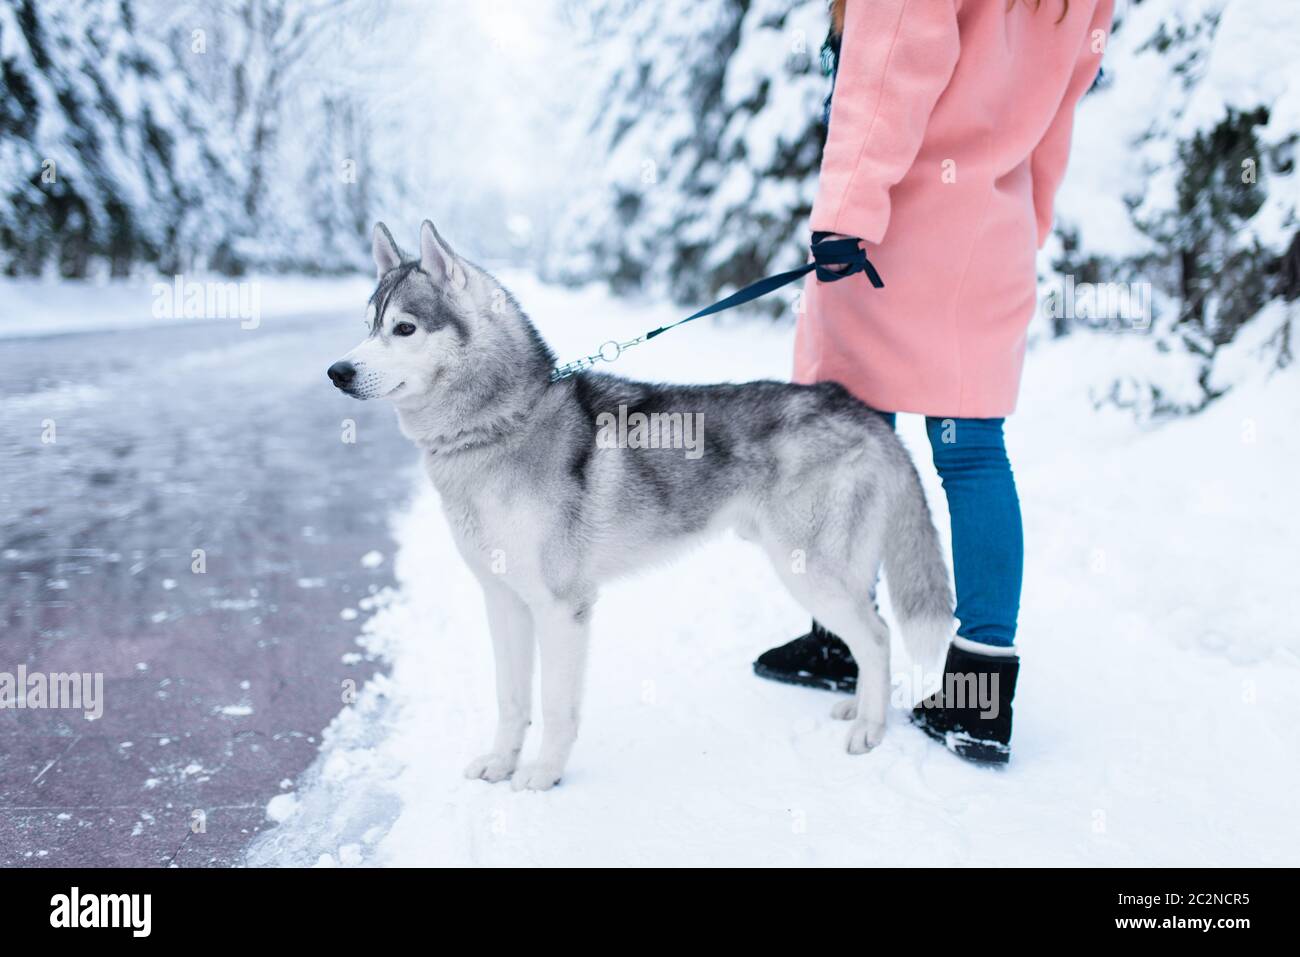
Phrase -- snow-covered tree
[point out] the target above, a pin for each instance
(187, 135)
(1182, 180)
(706, 127)
(279, 75)
(104, 148)
(269, 134)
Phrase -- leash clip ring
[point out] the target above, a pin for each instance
(610, 351)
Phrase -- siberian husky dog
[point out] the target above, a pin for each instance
(549, 494)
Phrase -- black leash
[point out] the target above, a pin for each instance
(826, 253)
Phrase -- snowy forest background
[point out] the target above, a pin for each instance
(669, 149)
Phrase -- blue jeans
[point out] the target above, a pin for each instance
(988, 548)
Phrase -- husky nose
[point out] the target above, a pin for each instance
(341, 373)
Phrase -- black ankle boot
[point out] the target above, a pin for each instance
(818, 659)
(970, 714)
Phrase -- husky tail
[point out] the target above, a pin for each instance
(917, 575)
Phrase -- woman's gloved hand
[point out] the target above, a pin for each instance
(828, 236)
(838, 256)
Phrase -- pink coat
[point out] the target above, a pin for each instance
(949, 135)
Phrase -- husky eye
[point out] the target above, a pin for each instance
(403, 329)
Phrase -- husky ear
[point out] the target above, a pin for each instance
(387, 256)
(437, 258)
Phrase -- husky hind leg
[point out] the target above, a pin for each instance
(854, 618)
(862, 629)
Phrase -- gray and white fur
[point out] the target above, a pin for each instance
(544, 513)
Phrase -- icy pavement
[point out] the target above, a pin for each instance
(1156, 723)
(220, 670)
(40, 307)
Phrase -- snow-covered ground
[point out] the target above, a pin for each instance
(35, 307)
(1157, 721)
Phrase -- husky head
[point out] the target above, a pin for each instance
(447, 343)
(420, 316)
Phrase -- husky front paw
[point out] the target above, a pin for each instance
(845, 710)
(864, 735)
(537, 777)
(491, 767)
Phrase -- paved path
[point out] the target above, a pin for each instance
(216, 685)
